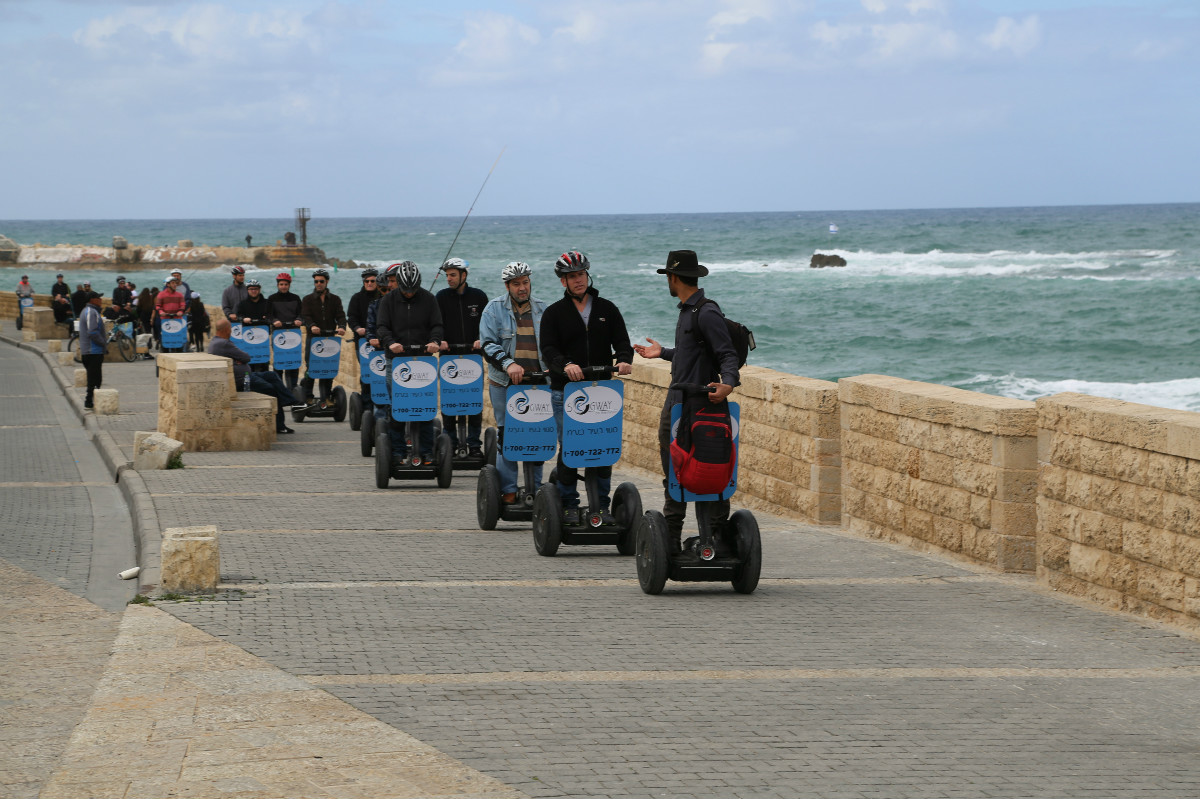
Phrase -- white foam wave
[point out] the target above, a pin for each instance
(1182, 394)
(1141, 264)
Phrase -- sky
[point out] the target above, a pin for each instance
(165, 109)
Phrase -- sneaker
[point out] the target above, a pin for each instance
(571, 517)
(284, 430)
(690, 543)
(509, 498)
(474, 452)
(89, 405)
(607, 519)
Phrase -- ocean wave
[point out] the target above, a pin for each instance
(1182, 394)
(1098, 265)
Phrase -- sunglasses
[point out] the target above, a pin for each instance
(319, 280)
(369, 280)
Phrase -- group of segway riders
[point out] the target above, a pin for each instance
(573, 344)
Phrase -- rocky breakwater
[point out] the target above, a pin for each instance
(183, 253)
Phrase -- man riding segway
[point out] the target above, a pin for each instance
(356, 316)
(462, 308)
(323, 316)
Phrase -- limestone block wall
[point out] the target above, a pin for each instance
(1119, 505)
(9, 305)
(198, 405)
(940, 468)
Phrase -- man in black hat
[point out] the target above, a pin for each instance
(60, 299)
(122, 299)
(703, 354)
(93, 342)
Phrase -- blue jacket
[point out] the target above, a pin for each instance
(92, 338)
(498, 334)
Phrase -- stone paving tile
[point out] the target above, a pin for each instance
(48, 531)
(35, 451)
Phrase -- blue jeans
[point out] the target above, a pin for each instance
(507, 468)
(568, 476)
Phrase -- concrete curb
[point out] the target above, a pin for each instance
(147, 534)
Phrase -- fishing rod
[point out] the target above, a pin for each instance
(464, 222)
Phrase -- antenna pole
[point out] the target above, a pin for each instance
(464, 222)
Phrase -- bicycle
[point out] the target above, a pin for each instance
(124, 342)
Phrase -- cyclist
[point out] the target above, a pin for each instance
(406, 316)
(508, 333)
(322, 314)
(462, 307)
(582, 329)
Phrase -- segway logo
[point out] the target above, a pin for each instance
(287, 339)
(364, 348)
(172, 325)
(254, 335)
(378, 364)
(531, 407)
(324, 348)
(461, 372)
(593, 405)
(413, 374)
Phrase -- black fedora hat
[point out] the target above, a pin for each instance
(683, 263)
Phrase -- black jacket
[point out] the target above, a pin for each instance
(327, 315)
(356, 311)
(564, 338)
(258, 311)
(285, 307)
(461, 314)
(408, 321)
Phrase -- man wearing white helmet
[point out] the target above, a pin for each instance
(508, 332)
(182, 287)
(462, 307)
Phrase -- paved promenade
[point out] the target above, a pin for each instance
(376, 643)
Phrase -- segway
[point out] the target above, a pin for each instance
(324, 362)
(736, 556)
(460, 383)
(365, 351)
(377, 381)
(592, 419)
(413, 387)
(529, 437)
(22, 304)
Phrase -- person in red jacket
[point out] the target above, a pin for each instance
(169, 304)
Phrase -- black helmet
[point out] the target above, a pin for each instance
(408, 277)
(370, 271)
(569, 262)
(321, 273)
(391, 271)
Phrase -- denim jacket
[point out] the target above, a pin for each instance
(498, 334)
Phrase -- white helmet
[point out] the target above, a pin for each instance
(515, 270)
(455, 263)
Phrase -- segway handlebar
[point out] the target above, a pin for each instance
(691, 388)
(460, 349)
(535, 378)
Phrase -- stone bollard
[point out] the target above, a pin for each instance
(107, 401)
(81, 378)
(66, 358)
(191, 559)
(155, 451)
(54, 345)
(28, 336)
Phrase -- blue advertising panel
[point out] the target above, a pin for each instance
(126, 328)
(592, 423)
(235, 334)
(26, 302)
(288, 346)
(414, 388)
(378, 373)
(364, 356)
(461, 381)
(174, 334)
(530, 433)
(677, 491)
(324, 357)
(256, 342)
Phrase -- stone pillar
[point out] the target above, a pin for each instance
(107, 401)
(191, 559)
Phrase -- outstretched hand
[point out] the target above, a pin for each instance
(651, 350)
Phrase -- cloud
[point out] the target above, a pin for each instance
(835, 35)
(916, 7)
(875, 6)
(914, 41)
(585, 27)
(1019, 37)
(738, 13)
(491, 49)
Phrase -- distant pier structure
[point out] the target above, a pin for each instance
(302, 217)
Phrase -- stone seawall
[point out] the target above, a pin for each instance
(1119, 505)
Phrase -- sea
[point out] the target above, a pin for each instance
(1019, 302)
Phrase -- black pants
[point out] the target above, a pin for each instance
(94, 364)
(675, 511)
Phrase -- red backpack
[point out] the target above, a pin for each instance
(703, 452)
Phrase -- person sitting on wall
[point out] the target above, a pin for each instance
(80, 298)
(60, 300)
(261, 382)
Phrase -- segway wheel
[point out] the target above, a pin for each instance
(749, 549)
(443, 460)
(298, 414)
(487, 497)
(627, 509)
(128, 350)
(366, 433)
(383, 460)
(339, 404)
(20, 320)
(547, 520)
(355, 411)
(489, 445)
(651, 544)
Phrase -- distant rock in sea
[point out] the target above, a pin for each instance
(820, 261)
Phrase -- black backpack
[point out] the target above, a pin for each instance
(742, 336)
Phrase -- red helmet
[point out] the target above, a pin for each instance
(283, 276)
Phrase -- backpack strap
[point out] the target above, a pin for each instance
(703, 342)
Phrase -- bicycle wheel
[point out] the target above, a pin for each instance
(126, 347)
